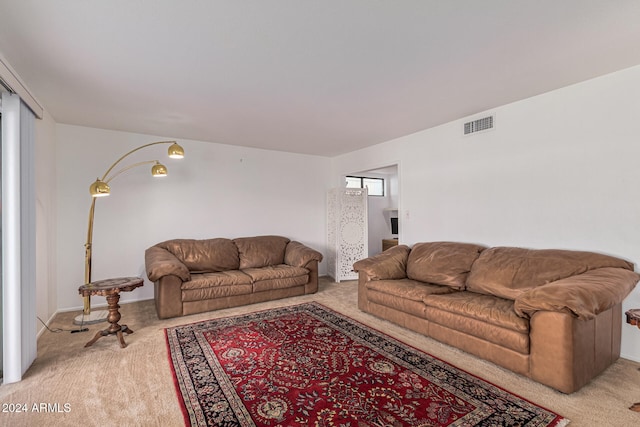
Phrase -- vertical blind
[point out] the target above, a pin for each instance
(18, 238)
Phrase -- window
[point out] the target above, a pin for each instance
(374, 186)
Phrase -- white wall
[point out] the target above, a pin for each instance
(215, 191)
(559, 170)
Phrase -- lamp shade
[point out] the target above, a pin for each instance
(158, 170)
(176, 151)
(99, 189)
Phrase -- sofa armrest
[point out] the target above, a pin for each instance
(160, 262)
(298, 255)
(390, 264)
(167, 293)
(584, 296)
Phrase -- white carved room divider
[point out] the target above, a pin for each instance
(347, 231)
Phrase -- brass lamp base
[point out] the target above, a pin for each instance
(92, 318)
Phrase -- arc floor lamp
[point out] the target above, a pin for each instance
(100, 188)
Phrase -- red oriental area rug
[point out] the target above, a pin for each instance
(306, 365)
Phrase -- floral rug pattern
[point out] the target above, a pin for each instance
(306, 365)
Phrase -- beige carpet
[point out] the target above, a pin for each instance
(106, 385)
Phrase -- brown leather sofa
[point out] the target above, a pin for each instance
(554, 316)
(193, 276)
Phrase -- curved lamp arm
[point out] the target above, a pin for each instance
(158, 170)
(101, 188)
(175, 152)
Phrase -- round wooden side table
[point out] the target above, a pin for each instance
(111, 288)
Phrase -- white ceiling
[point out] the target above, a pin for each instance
(321, 77)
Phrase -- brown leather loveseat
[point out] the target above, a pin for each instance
(193, 276)
(554, 316)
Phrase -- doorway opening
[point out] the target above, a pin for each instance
(384, 228)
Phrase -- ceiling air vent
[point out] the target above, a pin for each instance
(485, 123)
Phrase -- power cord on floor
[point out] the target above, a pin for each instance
(81, 328)
(58, 330)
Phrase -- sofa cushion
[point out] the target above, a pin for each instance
(443, 263)
(508, 272)
(210, 255)
(222, 278)
(261, 251)
(493, 310)
(404, 295)
(407, 288)
(280, 271)
(216, 285)
(486, 317)
(277, 277)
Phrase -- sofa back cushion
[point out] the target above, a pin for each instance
(508, 272)
(261, 251)
(442, 263)
(204, 256)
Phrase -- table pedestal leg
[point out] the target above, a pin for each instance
(113, 318)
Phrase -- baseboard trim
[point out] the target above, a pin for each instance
(102, 305)
(629, 357)
(46, 325)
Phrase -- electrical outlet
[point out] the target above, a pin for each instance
(407, 215)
